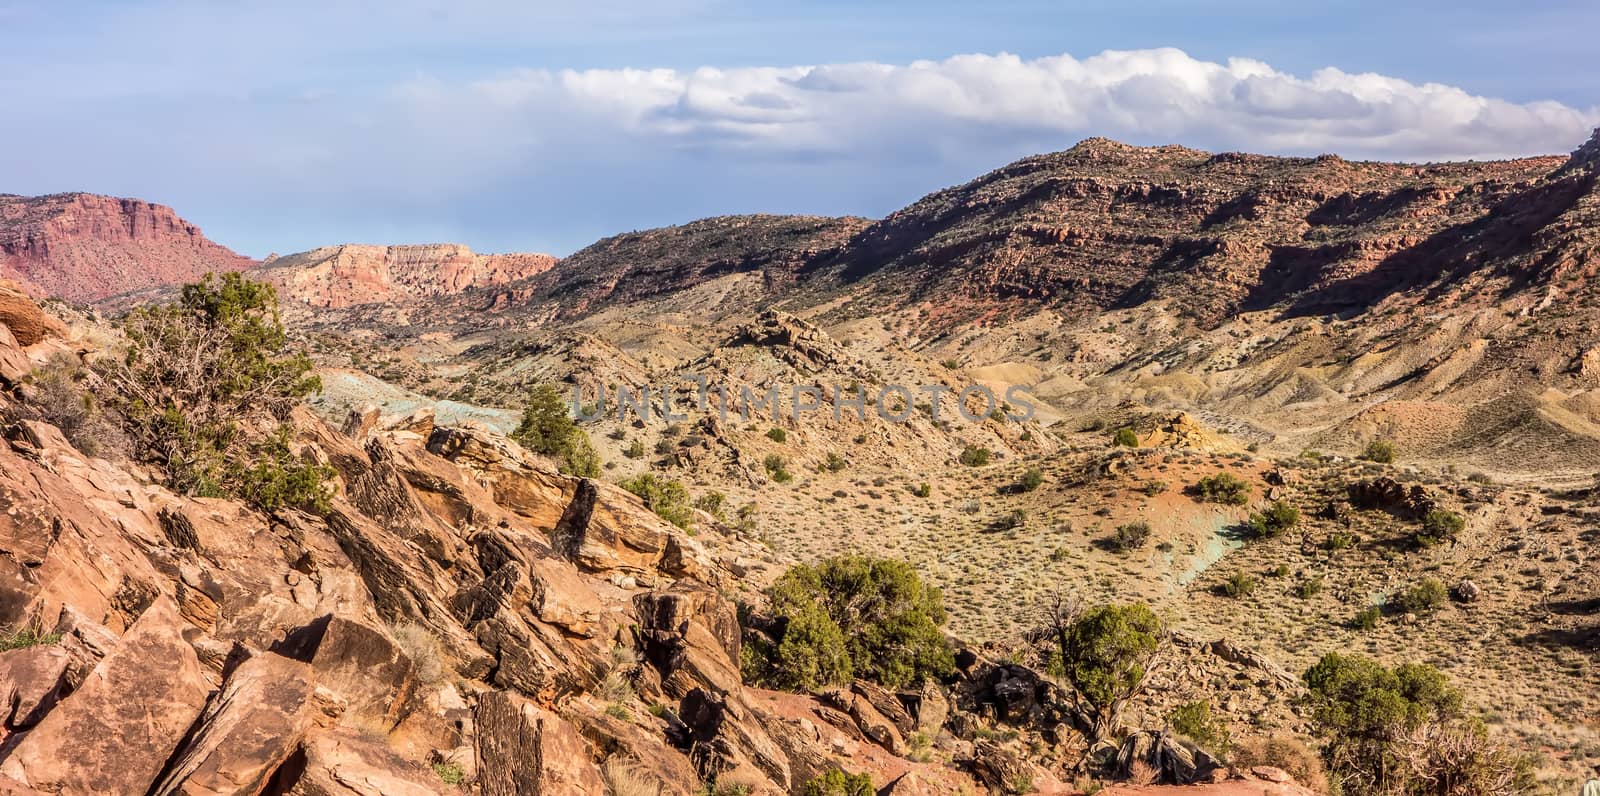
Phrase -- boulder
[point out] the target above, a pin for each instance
(874, 725)
(608, 528)
(690, 634)
(114, 734)
(521, 483)
(251, 726)
(31, 680)
(928, 706)
(524, 750)
(359, 667)
(726, 733)
(23, 318)
(886, 703)
(346, 762)
(1002, 769)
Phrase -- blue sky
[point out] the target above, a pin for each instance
(543, 126)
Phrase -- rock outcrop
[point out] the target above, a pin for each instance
(334, 277)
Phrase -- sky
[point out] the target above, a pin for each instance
(543, 126)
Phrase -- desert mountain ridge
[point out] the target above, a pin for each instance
(86, 247)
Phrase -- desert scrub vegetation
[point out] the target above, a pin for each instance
(849, 617)
(25, 637)
(667, 497)
(1238, 586)
(1380, 451)
(974, 456)
(839, 783)
(1438, 526)
(1032, 479)
(1422, 598)
(1275, 521)
(1196, 721)
(204, 391)
(713, 503)
(547, 428)
(1125, 438)
(1104, 653)
(1402, 731)
(60, 392)
(778, 435)
(777, 468)
(1224, 488)
(1130, 537)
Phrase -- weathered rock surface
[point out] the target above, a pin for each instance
(115, 733)
(526, 751)
(249, 728)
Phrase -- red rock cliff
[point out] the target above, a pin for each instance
(86, 247)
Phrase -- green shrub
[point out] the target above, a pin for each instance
(778, 435)
(668, 498)
(777, 468)
(1125, 438)
(1308, 588)
(1224, 488)
(1032, 479)
(1340, 540)
(1380, 451)
(635, 450)
(848, 617)
(1195, 721)
(974, 456)
(1104, 653)
(1131, 536)
(1239, 586)
(274, 478)
(199, 381)
(1367, 618)
(63, 395)
(1439, 526)
(449, 773)
(1153, 488)
(1421, 598)
(922, 490)
(1011, 520)
(1275, 521)
(25, 637)
(839, 783)
(1367, 713)
(547, 428)
(712, 503)
(834, 463)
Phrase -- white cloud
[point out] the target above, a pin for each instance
(1144, 95)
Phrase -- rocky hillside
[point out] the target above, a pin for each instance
(460, 619)
(342, 276)
(619, 270)
(84, 247)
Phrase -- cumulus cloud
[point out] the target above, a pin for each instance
(1144, 96)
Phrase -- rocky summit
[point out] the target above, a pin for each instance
(1285, 484)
